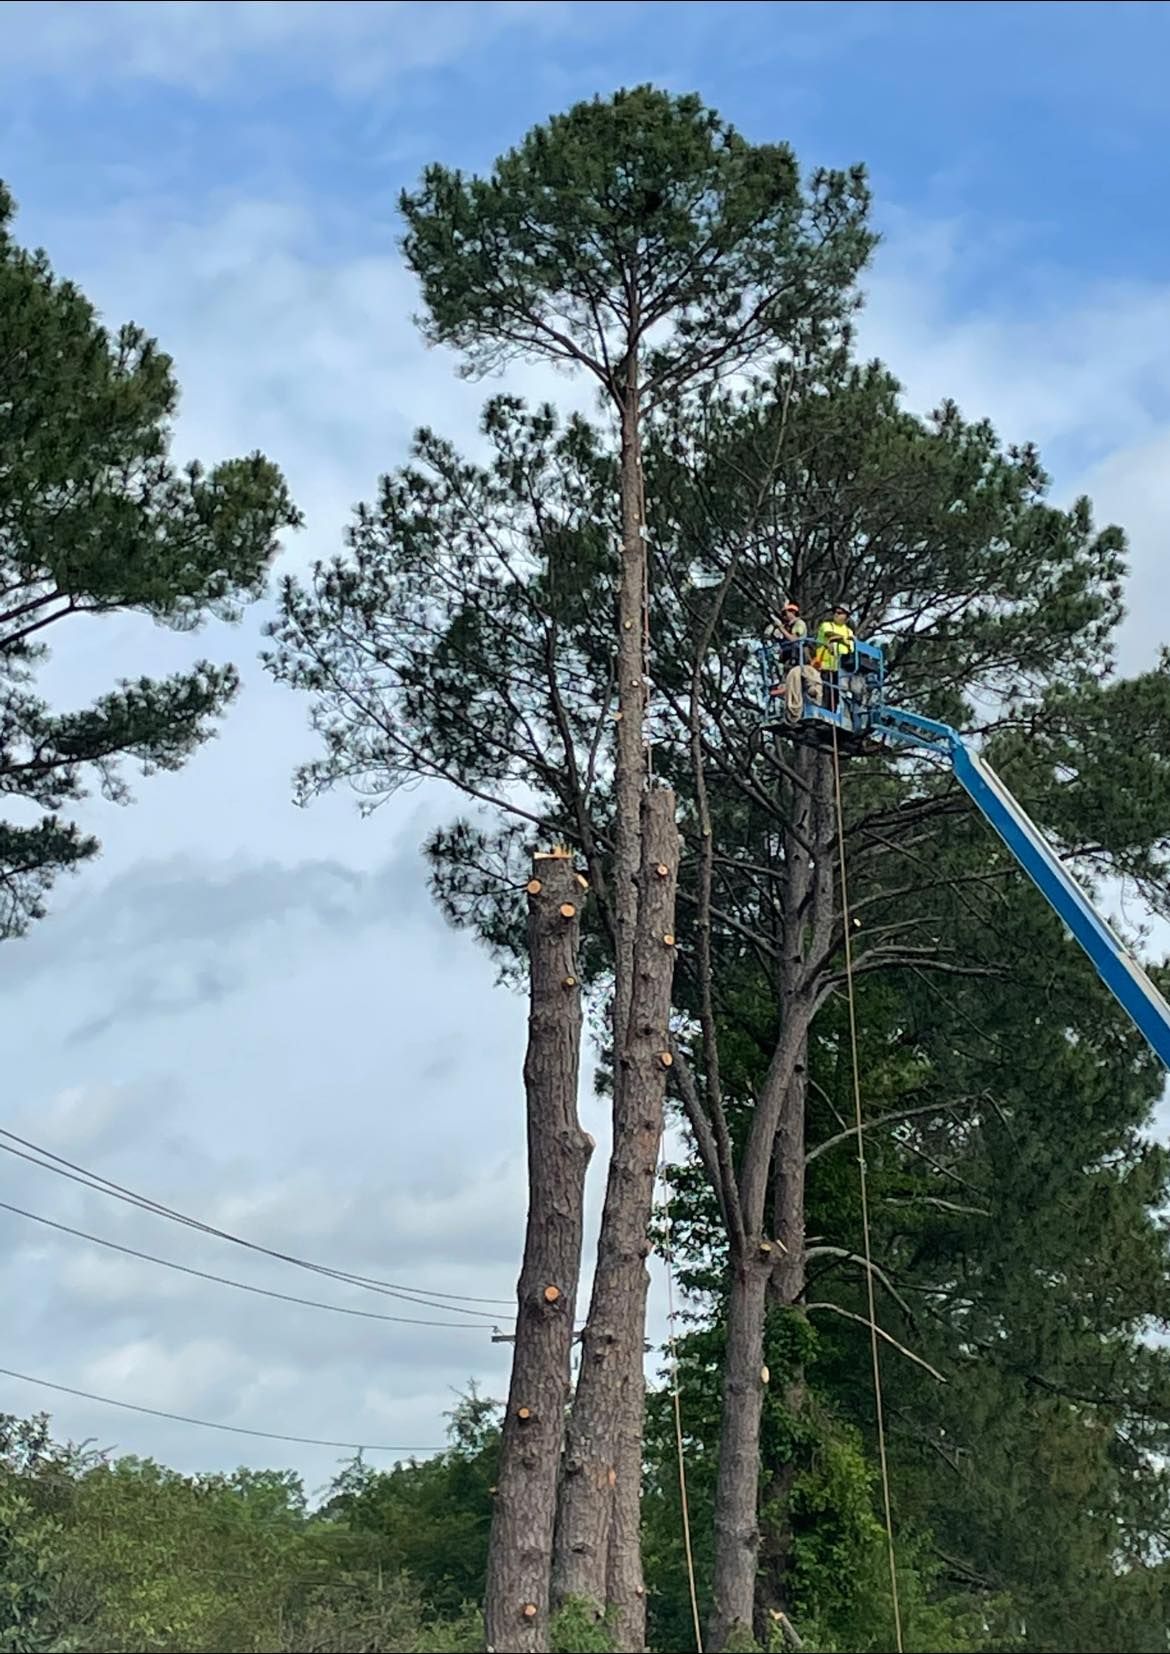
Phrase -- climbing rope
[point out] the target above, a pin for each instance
(668, 1260)
(879, 1409)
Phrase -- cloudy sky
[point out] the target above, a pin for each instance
(249, 1012)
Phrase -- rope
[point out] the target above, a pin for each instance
(879, 1409)
(668, 1259)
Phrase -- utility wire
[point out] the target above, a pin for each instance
(241, 1286)
(103, 1185)
(208, 1424)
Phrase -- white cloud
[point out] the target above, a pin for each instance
(201, 45)
(1086, 375)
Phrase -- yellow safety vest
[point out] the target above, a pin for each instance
(833, 641)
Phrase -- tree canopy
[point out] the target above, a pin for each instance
(95, 519)
(637, 223)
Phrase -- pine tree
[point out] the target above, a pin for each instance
(94, 519)
(642, 241)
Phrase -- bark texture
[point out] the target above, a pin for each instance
(630, 751)
(598, 1552)
(773, 1162)
(516, 1604)
(785, 1290)
(737, 1537)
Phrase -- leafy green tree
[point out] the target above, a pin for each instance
(95, 519)
(31, 1563)
(127, 1554)
(430, 1521)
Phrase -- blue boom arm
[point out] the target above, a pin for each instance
(1111, 959)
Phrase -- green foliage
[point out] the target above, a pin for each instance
(429, 1521)
(358, 1612)
(31, 1564)
(628, 216)
(95, 519)
(128, 1555)
(576, 1629)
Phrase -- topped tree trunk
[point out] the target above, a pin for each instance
(516, 1607)
(599, 1518)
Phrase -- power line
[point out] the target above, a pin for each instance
(453, 1301)
(241, 1286)
(208, 1424)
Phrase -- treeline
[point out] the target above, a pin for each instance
(124, 1554)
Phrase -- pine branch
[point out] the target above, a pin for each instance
(864, 1321)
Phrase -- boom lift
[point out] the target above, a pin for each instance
(862, 720)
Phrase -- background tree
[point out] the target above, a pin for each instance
(1021, 1255)
(93, 519)
(125, 1554)
(928, 526)
(644, 241)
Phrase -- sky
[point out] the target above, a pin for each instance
(250, 1012)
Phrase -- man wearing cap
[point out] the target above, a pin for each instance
(785, 633)
(835, 640)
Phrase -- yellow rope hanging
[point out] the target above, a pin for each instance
(668, 1259)
(879, 1410)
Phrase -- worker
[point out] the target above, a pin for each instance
(835, 640)
(785, 634)
(802, 683)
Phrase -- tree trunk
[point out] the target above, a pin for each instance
(788, 1178)
(736, 1525)
(630, 751)
(516, 1603)
(603, 1457)
(784, 1291)
(808, 912)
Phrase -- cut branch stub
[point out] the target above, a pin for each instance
(662, 870)
(529, 1610)
(552, 1294)
(524, 1414)
(668, 939)
(569, 982)
(665, 1058)
(534, 887)
(568, 911)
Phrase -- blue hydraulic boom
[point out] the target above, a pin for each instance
(855, 707)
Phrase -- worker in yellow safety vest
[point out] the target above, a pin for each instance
(835, 640)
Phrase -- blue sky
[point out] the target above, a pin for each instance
(250, 1011)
